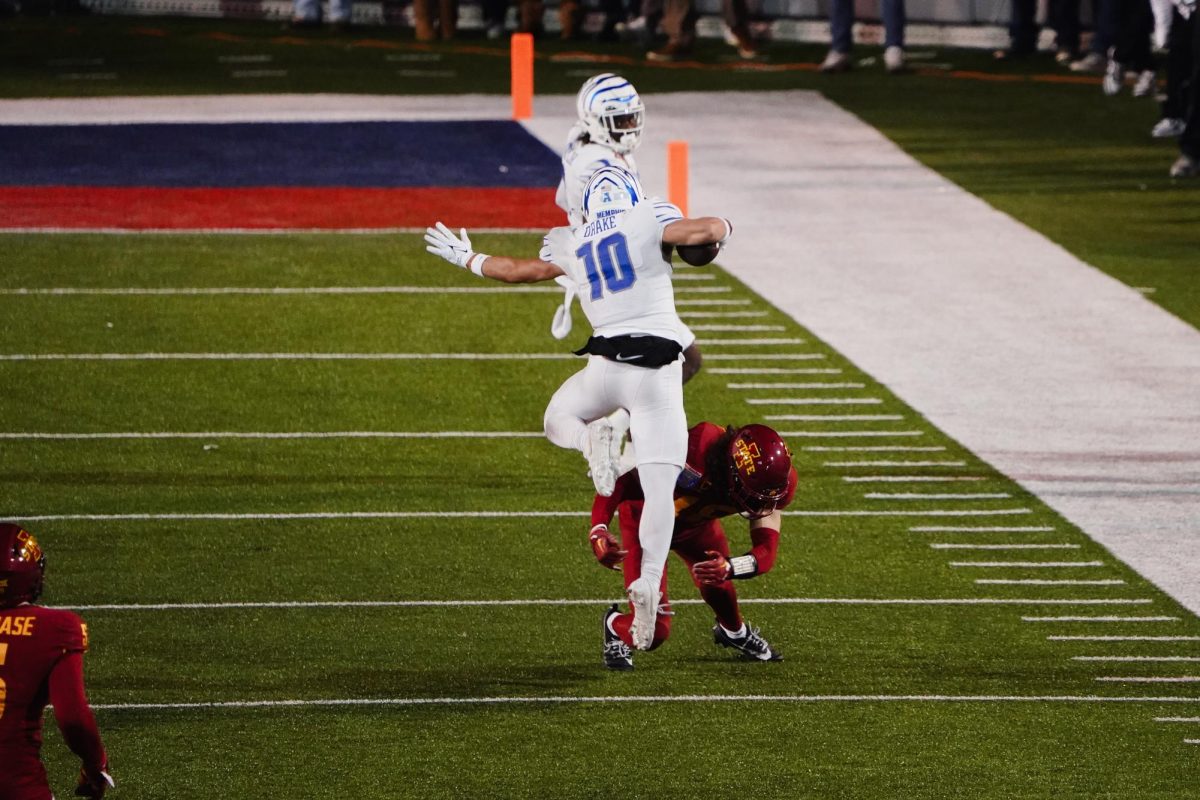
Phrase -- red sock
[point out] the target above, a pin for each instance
(722, 599)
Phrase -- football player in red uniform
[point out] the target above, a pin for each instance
(746, 471)
(41, 661)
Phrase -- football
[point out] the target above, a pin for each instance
(698, 254)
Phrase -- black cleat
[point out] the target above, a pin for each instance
(617, 654)
(752, 645)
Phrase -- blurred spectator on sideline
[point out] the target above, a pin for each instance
(841, 25)
(307, 13)
(495, 15)
(429, 20)
(1179, 73)
(1062, 16)
(679, 22)
(1095, 60)
(1131, 51)
(1188, 163)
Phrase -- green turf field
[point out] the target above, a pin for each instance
(371, 635)
(419, 667)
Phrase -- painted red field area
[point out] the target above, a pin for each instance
(301, 208)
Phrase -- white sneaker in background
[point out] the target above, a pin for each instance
(1168, 127)
(893, 59)
(1093, 63)
(1114, 78)
(836, 61)
(1184, 167)
(1145, 83)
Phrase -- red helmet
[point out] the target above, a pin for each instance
(22, 565)
(759, 465)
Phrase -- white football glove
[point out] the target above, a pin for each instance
(442, 242)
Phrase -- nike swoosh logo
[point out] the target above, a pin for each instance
(631, 358)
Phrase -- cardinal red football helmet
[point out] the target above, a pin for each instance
(22, 565)
(759, 465)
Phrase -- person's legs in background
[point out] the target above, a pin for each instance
(841, 25)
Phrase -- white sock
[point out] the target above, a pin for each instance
(738, 634)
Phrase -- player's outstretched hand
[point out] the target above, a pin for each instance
(95, 785)
(442, 242)
(714, 571)
(605, 547)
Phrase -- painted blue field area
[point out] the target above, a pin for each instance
(490, 153)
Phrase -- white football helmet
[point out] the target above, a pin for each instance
(611, 190)
(611, 112)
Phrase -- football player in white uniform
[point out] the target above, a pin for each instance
(614, 259)
(611, 118)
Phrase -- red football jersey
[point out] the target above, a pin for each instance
(32, 640)
(701, 491)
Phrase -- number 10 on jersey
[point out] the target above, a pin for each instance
(611, 255)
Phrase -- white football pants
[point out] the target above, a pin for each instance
(658, 424)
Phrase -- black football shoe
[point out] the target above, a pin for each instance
(751, 645)
(617, 654)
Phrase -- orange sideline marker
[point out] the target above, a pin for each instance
(677, 174)
(522, 75)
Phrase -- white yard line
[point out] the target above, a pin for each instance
(764, 357)
(1037, 582)
(814, 401)
(885, 448)
(1027, 564)
(603, 601)
(750, 342)
(835, 417)
(848, 434)
(982, 528)
(911, 478)
(277, 435)
(1123, 638)
(1150, 679)
(626, 698)
(1177, 719)
(689, 302)
(896, 463)
(690, 275)
(204, 291)
(795, 386)
(285, 356)
(773, 371)
(942, 496)
(1101, 619)
(259, 232)
(738, 328)
(307, 515)
(967, 546)
(720, 314)
(1136, 658)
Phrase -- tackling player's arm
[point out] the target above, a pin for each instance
(442, 242)
(700, 230)
(605, 546)
(764, 545)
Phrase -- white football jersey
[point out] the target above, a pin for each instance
(579, 162)
(617, 266)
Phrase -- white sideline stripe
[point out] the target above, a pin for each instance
(744, 342)
(1123, 638)
(815, 401)
(808, 601)
(1036, 582)
(1135, 658)
(895, 463)
(774, 371)
(795, 386)
(960, 546)
(982, 529)
(720, 314)
(1027, 564)
(277, 290)
(708, 698)
(739, 328)
(886, 448)
(279, 435)
(1150, 679)
(1100, 619)
(303, 515)
(943, 496)
(696, 302)
(848, 434)
(285, 356)
(1177, 719)
(911, 478)
(836, 417)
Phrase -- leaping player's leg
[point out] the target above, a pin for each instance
(574, 421)
(659, 427)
